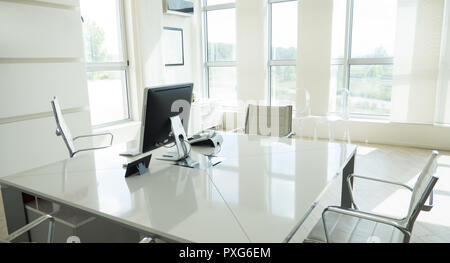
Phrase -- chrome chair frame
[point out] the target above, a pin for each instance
(147, 240)
(405, 224)
(93, 148)
(61, 127)
(30, 226)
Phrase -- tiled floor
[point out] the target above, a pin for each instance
(388, 162)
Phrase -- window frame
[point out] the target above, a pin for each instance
(347, 61)
(120, 66)
(275, 62)
(206, 63)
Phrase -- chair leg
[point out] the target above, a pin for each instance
(300, 129)
(331, 128)
(347, 133)
(315, 131)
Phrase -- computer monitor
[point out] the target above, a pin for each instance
(160, 104)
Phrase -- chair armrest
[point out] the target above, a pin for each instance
(94, 148)
(290, 135)
(349, 185)
(32, 225)
(381, 181)
(363, 215)
(96, 135)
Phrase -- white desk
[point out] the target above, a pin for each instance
(259, 193)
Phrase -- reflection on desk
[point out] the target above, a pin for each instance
(259, 193)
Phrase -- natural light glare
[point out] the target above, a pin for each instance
(101, 30)
(283, 85)
(107, 96)
(444, 160)
(443, 184)
(395, 205)
(222, 85)
(338, 32)
(282, 195)
(364, 150)
(284, 30)
(228, 183)
(373, 28)
(283, 163)
(439, 215)
(221, 34)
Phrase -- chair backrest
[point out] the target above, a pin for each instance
(61, 127)
(268, 120)
(422, 189)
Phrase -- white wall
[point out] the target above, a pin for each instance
(443, 94)
(314, 53)
(416, 60)
(251, 50)
(151, 21)
(41, 56)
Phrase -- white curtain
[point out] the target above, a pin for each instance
(416, 60)
(443, 84)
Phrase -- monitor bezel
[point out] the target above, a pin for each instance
(144, 107)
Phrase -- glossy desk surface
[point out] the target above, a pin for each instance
(258, 193)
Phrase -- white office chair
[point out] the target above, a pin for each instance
(63, 130)
(28, 227)
(329, 119)
(260, 117)
(343, 225)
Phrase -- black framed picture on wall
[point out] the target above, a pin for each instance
(173, 46)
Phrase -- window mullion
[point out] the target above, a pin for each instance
(221, 64)
(371, 61)
(347, 55)
(269, 66)
(219, 7)
(106, 66)
(205, 53)
(282, 62)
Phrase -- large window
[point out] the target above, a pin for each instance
(282, 52)
(220, 43)
(362, 57)
(106, 60)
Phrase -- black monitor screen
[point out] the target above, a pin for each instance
(159, 105)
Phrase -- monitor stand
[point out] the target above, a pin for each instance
(181, 156)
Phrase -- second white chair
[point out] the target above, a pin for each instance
(330, 120)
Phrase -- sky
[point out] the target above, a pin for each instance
(104, 14)
(373, 25)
